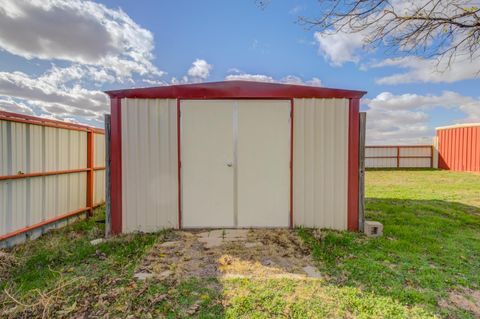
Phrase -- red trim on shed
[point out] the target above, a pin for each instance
(235, 89)
(232, 90)
(116, 165)
(353, 187)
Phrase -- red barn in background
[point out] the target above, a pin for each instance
(459, 147)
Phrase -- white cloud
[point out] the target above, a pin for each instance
(82, 32)
(395, 119)
(429, 70)
(340, 47)
(200, 70)
(249, 77)
(44, 93)
(289, 79)
(397, 127)
(155, 82)
(10, 105)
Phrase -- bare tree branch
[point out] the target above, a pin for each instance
(444, 29)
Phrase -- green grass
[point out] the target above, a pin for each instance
(431, 245)
(431, 242)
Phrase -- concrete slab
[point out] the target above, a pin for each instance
(211, 242)
(217, 237)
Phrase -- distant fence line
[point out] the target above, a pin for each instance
(50, 172)
(399, 156)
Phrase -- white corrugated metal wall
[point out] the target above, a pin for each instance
(320, 163)
(29, 148)
(149, 164)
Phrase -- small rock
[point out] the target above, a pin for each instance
(142, 276)
(312, 272)
(97, 241)
(169, 244)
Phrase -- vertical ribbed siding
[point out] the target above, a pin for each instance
(149, 164)
(320, 163)
(459, 148)
(28, 148)
(401, 156)
(99, 175)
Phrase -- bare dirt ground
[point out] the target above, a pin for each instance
(265, 253)
(466, 299)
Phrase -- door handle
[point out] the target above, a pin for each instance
(229, 164)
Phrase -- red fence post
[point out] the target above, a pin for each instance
(90, 154)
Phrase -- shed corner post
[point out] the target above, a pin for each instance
(115, 154)
(353, 165)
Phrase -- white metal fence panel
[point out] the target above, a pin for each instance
(43, 170)
(380, 162)
(320, 163)
(28, 148)
(399, 156)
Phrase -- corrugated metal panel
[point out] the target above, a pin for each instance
(99, 187)
(149, 164)
(320, 164)
(380, 151)
(380, 162)
(416, 151)
(459, 148)
(99, 175)
(3, 148)
(99, 150)
(18, 147)
(415, 163)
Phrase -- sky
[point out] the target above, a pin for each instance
(57, 57)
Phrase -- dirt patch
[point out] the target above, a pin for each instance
(7, 263)
(230, 253)
(466, 299)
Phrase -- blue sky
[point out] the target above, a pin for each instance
(57, 56)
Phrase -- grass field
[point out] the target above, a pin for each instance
(426, 265)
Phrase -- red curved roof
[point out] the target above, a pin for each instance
(235, 89)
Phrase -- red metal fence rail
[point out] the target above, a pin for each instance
(89, 169)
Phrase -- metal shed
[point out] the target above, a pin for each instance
(458, 147)
(234, 154)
